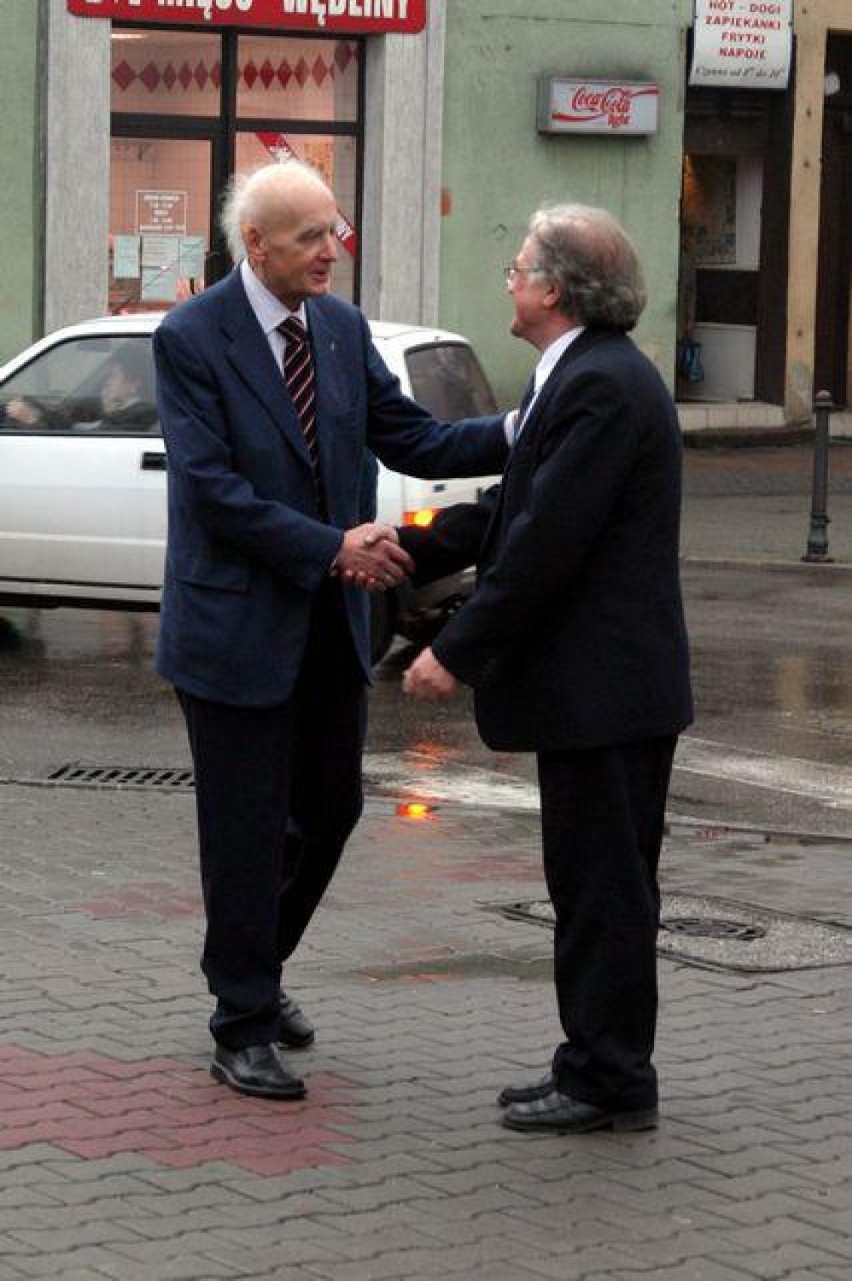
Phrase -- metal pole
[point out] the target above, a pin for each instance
(817, 550)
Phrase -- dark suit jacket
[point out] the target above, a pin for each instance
(575, 637)
(246, 550)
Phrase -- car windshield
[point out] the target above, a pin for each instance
(446, 379)
(96, 383)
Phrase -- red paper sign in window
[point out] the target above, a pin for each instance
(281, 149)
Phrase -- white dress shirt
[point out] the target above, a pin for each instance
(270, 311)
(547, 362)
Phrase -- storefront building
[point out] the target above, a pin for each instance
(766, 234)
(139, 111)
(441, 124)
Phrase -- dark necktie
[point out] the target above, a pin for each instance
(301, 384)
(300, 380)
(523, 407)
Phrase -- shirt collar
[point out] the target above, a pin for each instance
(269, 310)
(551, 355)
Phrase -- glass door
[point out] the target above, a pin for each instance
(190, 108)
(160, 234)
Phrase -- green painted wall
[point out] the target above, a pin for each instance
(497, 169)
(20, 175)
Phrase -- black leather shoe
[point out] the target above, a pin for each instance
(256, 1070)
(294, 1029)
(526, 1093)
(561, 1114)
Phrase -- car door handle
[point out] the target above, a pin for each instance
(153, 462)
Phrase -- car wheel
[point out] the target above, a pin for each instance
(382, 619)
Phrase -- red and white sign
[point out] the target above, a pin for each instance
(597, 106)
(742, 44)
(280, 148)
(355, 17)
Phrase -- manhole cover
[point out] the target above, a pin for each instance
(718, 933)
(709, 927)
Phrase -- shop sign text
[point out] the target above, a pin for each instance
(742, 44)
(355, 17)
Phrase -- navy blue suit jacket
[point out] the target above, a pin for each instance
(575, 636)
(246, 549)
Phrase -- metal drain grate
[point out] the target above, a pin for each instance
(712, 927)
(148, 777)
(717, 933)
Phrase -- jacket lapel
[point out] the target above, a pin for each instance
(248, 351)
(584, 342)
(588, 339)
(333, 381)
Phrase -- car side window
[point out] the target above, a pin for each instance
(84, 385)
(447, 379)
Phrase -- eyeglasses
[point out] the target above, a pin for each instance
(512, 271)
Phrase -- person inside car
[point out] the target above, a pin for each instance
(125, 401)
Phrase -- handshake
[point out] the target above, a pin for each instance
(371, 557)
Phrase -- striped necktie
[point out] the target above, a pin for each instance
(301, 383)
(300, 380)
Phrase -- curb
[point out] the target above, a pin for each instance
(746, 437)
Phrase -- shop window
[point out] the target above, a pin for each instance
(160, 221)
(297, 79)
(719, 261)
(709, 221)
(166, 73)
(186, 107)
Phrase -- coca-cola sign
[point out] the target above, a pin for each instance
(615, 107)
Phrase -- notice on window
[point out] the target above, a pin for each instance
(160, 268)
(161, 213)
(742, 44)
(191, 257)
(126, 254)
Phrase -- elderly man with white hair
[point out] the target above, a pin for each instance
(272, 397)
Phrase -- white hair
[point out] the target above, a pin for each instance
(260, 198)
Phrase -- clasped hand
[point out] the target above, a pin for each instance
(371, 557)
(428, 680)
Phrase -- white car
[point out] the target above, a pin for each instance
(82, 469)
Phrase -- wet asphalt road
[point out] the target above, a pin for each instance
(772, 664)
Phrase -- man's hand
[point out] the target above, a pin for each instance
(24, 412)
(429, 680)
(370, 555)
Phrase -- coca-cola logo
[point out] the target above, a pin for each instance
(613, 104)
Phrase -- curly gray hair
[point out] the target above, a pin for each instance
(587, 253)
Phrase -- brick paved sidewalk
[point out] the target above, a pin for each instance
(120, 1158)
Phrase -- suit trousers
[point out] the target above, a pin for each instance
(278, 792)
(603, 816)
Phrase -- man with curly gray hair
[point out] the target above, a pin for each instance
(576, 648)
